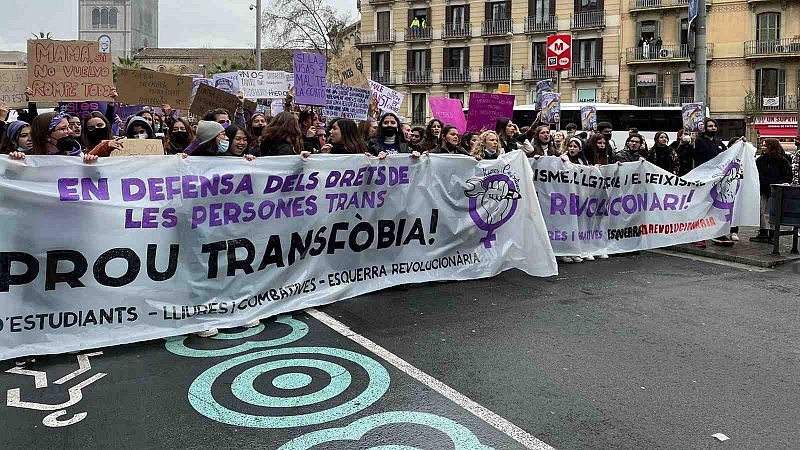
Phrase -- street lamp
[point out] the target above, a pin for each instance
(510, 36)
(257, 7)
(205, 71)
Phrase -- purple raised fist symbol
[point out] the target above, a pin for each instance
(492, 202)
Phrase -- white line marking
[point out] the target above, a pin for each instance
(501, 424)
(719, 262)
(83, 366)
(39, 378)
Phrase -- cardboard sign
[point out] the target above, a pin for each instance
(209, 98)
(348, 70)
(692, 114)
(551, 107)
(346, 102)
(263, 83)
(12, 87)
(140, 147)
(589, 118)
(197, 81)
(228, 82)
(386, 98)
(69, 71)
(147, 87)
(449, 111)
(485, 109)
(309, 78)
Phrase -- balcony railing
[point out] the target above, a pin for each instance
(649, 102)
(638, 5)
(495, 74)
(418, 34)
(385, 78)
(496, 27)
(588, 20)
(457, 30)
(380, 2)
(418, 118)
(780, 47)
(536, 72)
(545, 24)
(455, 76)
(419, 76)
(771, 103)
(381, 37)
(588, 69)
(660, 53)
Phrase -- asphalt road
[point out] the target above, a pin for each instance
(645, 351)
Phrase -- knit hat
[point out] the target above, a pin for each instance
(14, 128)
(207, 130)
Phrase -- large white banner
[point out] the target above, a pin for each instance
(638, 206)
(130, 249)
(258, 84)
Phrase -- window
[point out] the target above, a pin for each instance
(542, 10)
(384, 25)
(770, 83)
(685, 32)
(686, 89)
(456, 58)
(587, 95)
(458, 16)
(112, 18)
(419, 60)
(768, 27)
(499, 11)
(420, 15)
(498, 55)
(380, 63)
(588, 5)
(539, 50)
(104, 18)
(458, 96)
(646, 85)
(648, 29)
(96, 18)
(587, 52)
(418, 104)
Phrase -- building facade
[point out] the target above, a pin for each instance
(125, 25)
(205, 61)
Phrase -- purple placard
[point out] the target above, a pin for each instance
(485, 109)
(449, 111)
(309, 78)
(83, 109)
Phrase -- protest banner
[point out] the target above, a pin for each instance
(147, 87)
(693, 116)
(551, 107)
(542, 87)
(258, 84)
(208, 98)
(348, 69)
(68, 71)
(13, 83)
(83, 109)
(386, 98)
(450, 111)
(485, 109)
(309, 78)
(346, 102)
(228, 82)
(140, 147)
(589, 118)
(185, 245)
(612, 209)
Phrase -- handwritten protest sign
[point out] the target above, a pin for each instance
(263, 83)
(485, 109)
(12, 87)
(209, 98)
(387, 99)
(346, 102)
(348, 70)
(692, 117)
(309, 78)
(449, 111)
(551, 107)
(589, 118)
(228, 82)
(147, 87)
(68, 71)
(140, 147)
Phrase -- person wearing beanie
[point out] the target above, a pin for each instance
(575, 151)
(210, 140)
(139, 128)
(16, 139)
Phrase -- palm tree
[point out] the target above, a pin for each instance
(224, 66)
(42, 35)
(125, 63)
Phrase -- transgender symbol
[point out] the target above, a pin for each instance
(492, 201)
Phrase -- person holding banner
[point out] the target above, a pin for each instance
(575, 152)
(17, 140)
(179, 135)
(139, 128)
(256, 125)
(52, 136)
(596, 150)
(433, 135)
(663, 155)
(487, 147)
(345, 139)
(210, 141)
(510, 137)
(796, 167)
(450, 142)
(543, 142)
(390, 140)
(240, 141)
(706, 146)
(631, 151)
(282, 136)
(97, 135)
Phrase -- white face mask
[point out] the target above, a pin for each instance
(686, 138)
(141, 136)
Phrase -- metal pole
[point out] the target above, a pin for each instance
(258, 34)
(701, 56)
(510, 63)
(558, 91)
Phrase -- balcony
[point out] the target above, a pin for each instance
(495, 74)
(499, 27)
(536, 72)
(381, 37)
(416, 76)
(769, 49)
(385, 78)
(778, 103)
(587, 69)
(417, 34)
(651, 102)
(380, 2)
(455, 76)
(534, 25)
(588, 20)
(457, 31)
(645, 5)
(663, 53)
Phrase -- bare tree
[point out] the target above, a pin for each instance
(305, 24)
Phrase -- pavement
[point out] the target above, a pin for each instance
(744, 251)
(649, 351)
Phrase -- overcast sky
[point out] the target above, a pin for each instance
(182, 23)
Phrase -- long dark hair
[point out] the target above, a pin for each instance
(656, 144)
(351, 138)
(40, 132)
(500, 128)
(283, 127)
(450, 148)
(231, 132)
(89, 144)
(399, 137)
(430, 141)
(773, 149)
(593, 154)
(168, 144)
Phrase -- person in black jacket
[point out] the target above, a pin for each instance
(390, 139)
(681, 145)
(706, 146)
(450, 142)
(773, 168)
(345, 139)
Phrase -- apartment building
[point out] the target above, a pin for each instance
(448, 48)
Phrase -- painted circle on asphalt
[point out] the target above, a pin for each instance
(203, 401)
(292, 381)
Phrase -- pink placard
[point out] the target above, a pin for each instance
(449, 111)
(485, 109)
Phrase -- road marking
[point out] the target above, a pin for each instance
(501, 424)
(39, 378)
(719, 262)
(83, 366)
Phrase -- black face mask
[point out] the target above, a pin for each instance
(97, 134)
(257, 131)
(180, 137)
(390, 131)
(68, 144)
(607, 136)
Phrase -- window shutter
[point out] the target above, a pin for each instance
(657, 32)
(488, 8)
(552, 7)
(507, 54)
(410, 59)
(428, 59)
(446, 57)
(466, 14)
(374, 61)
(410, 18)
(531, 8)
(599, 50)
(659, 86)
(448, 14)
(576, 51)
(676, 86)
(632, 88)
(430, 18)
(638, 32)
(508, 9)
(485, 56)
(466, 59)
(781, 82)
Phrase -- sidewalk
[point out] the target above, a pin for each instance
(744, 252)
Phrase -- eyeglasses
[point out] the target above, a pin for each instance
(102, 127)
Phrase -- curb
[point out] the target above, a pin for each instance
(771, 262)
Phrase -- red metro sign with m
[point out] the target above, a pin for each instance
(559, 52)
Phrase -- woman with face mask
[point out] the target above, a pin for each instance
(179, 136)
(433, 135)
(139, 128)
(663, 155)
(450, 142)
(17, 140)
(487, 147)
(210, 141)
(51, 135)
(345, 139)
(257, 124)
(682, 147)
(390, 140)
(97, 135)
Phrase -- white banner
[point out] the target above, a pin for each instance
(258, 84)
(131, 249)
(638, 206)
(387, 99)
